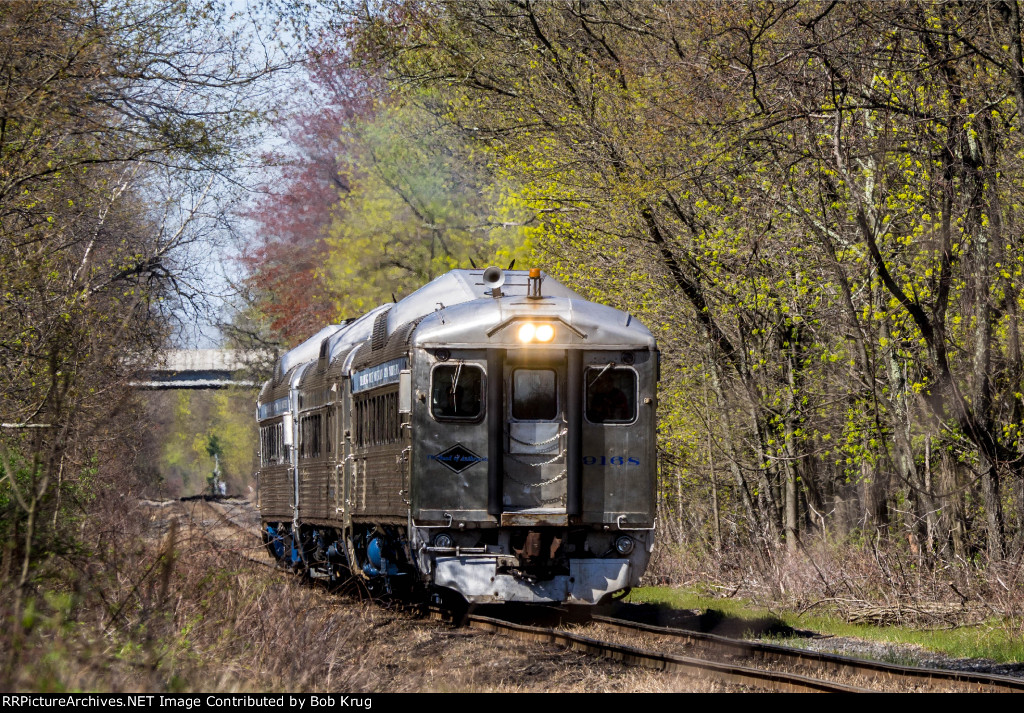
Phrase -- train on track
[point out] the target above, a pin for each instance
(490, 435)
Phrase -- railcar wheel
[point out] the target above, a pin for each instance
(451, 602)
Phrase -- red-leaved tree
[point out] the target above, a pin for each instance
(285, 282)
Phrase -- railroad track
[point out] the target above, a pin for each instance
(865, 669)
(207, 520)
(223, 511)
(753, 654)
(724, 672)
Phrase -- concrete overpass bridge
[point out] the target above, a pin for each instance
(199, 369)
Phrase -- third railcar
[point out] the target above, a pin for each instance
(492, 434)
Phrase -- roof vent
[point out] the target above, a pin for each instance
(380, 331)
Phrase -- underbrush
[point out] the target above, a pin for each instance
(197, 617)
(174, 613)
(872, 590)
(154, 606)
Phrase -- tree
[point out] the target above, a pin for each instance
(377, 196)
(420, 206)
(117, 123)
(285, 255)
(826, 193)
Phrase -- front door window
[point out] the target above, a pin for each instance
(534, 395)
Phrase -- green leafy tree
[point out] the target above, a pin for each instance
(816, 206)
(421, 205)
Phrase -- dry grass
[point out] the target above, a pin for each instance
(173, 607)
(875, 589)
(168, 601)
(851, 576)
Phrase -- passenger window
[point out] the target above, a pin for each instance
(309, 436)
(534, 395)
(270, 437)
(456, 392)
(611, 395)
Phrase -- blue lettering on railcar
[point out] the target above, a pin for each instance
(611, 460)
(458, 458)
(274, 408)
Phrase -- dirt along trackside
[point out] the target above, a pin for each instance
(267, 630)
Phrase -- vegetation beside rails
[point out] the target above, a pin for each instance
(998, 638)
(182, 617)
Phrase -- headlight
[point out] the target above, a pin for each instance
(443, 540)
(530, 332)
(624, 545)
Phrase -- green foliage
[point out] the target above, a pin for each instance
(421, 204)
(120, 122)
(205, 423)
(818, 201)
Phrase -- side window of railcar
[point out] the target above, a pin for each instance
(534, 395)
(328, 431)
(456, 392)
(309, 436)
(271, 448)
(377, 422)
(611, 395)
(392, 421)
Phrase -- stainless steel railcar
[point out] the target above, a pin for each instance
(492, 434)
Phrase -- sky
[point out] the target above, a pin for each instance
(214, 259)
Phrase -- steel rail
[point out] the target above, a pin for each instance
(876, 670)
(632, 656)
(225, 516)
(226, 519)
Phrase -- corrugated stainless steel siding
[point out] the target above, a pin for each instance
(378, 483)
(276, 485)
(314, 487)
